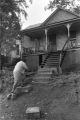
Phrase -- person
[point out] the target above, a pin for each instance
(19, 76)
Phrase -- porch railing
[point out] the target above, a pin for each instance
(71, 43)
(32, 50)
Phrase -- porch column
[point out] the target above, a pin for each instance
(46, 45)
(68, 28)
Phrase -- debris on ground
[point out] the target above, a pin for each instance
(57, 99)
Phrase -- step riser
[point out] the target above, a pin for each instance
(42, 75)
(45, 70)
(53, 58)
(52, 62)
(40, 79)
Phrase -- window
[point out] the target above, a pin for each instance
(73, 39)
(73, 34)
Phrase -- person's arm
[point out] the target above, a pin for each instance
(25, 66)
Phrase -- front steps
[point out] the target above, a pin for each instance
(51, 60)
(44, 74)
(50, 66)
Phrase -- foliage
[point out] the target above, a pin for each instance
(66, 4)
(10, 19)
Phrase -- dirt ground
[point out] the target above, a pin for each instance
(57, 99)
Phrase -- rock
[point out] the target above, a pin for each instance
(33, 113)
(2, 117)
(24, 89)
(6, 106)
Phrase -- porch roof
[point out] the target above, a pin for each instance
(53, 21)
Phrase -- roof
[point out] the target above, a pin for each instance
(55, 12)
(52, 15)
(33, 26)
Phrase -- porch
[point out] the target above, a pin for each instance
(49, 41)
(54, 38)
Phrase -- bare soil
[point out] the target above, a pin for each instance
(57, 100)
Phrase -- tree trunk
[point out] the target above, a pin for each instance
(0, 64)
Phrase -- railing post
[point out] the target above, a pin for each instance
(46, 39)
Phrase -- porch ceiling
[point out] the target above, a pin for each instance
(56, 29)
(38, 33)
(75, 26)
(35, 33)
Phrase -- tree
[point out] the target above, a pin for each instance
(10, 19)
(66, 4)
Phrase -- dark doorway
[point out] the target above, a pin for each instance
(52, 42)
(40, 60)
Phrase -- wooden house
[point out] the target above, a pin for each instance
(54, 43)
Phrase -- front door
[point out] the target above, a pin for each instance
(52, 42)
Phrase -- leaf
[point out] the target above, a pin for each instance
(67, 4)
(10, 21)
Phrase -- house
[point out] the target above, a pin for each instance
(54, 43)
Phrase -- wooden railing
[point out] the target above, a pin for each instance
(71, 43)
(32, 50)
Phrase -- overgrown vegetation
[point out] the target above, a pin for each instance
(72, 5)
(10, 22)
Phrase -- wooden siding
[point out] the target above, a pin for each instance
(60, 16)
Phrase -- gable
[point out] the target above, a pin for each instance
(59, 16)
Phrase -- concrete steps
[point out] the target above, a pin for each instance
(49, 65)
(43, 75)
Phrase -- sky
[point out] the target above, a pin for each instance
(37, 13)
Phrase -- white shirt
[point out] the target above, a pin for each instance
(20, 67)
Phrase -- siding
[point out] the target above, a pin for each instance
(27, 42)
(59, 16)
(78, 36)
(61, 38)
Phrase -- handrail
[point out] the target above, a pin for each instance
(69, 39)
(42, 64)
(65, 44)
(60, 60)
